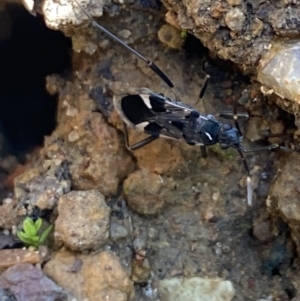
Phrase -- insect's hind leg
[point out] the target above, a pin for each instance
(139, 144)
(203, 89)
(203, 151)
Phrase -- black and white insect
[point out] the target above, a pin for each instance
(160, 116)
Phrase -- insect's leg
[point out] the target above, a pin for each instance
(150, 64)
(258, 149)
(126, 136)
(249, 181)
(241, 151)
(203, 151)
(230, 115)
(235, 118)
(139, 144)
(203, 88)
(234, 114)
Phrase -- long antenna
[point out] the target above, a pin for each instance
(149, 63)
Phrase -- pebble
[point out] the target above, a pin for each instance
(117, 231)
(125, 33)
(196, 289)
(235, 19)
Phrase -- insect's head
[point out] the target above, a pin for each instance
(229, 136)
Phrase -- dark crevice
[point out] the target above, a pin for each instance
(28, 54)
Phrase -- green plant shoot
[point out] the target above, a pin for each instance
(30, 235)
(183, 33)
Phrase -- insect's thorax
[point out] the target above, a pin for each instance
(209, 131)
(201, 130)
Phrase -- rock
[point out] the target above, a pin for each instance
(256, 128)
(160, 157)
(278, 70)
(140, 271)
(140, 242)
(29, 5)
(100, 278)
(83, 220)
(11, 257)
(259, 25)
(42, 187)
(262, 228)
(125, 33)
(171, 18)
(7, 240)
(285, 21)
(117, 231)
(7, 295)
(99, 142)
(143, 191)
(9, 214)
(27, 282)
(57, 15)
(235, 19)
(171, 36)
(234, 2)
(277, 128)
(195, 289)
(284, 194)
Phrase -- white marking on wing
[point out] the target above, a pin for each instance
(146, 100)
(142, 125)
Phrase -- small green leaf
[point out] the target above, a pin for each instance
(45, 234)
(24, 238)
(35, 238)
(37, 224)
(29, 227)
(183, 33)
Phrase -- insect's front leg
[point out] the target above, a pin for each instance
(139, 144)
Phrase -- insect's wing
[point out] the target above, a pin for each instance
(152, 113)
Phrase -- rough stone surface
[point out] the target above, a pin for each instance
(244, 33)
(279, 71)
(216, 23)
(171, 36)
(83, 220)
(235, 19)
(196, 289)
(143, 191)
(100, 278)
(59, 14)
(88, 142)
(117, 231)
(262, 228)
(140, 271)
(42, 186)
(9, 214)
(11, 257)
(7, 240)
(284, 194)
(27, 282)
